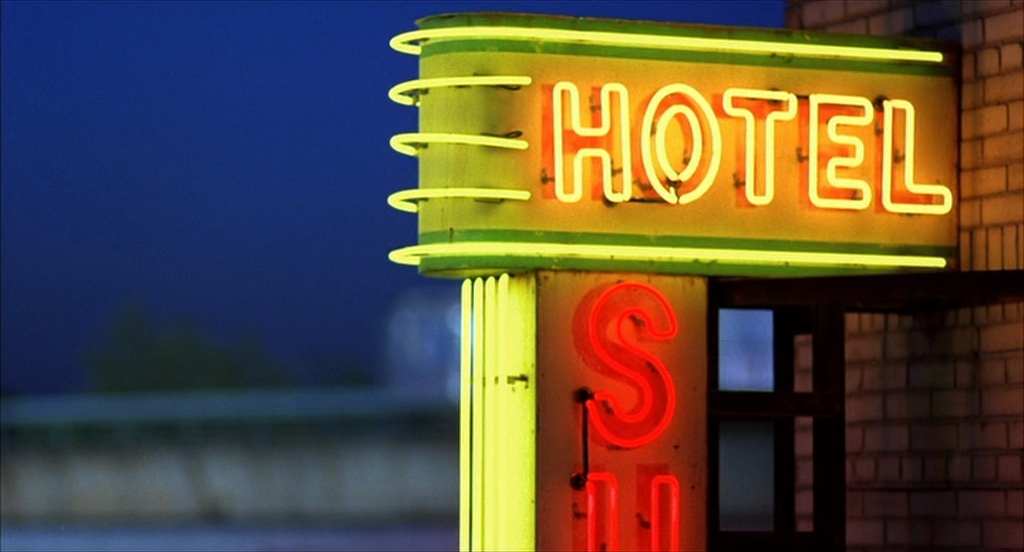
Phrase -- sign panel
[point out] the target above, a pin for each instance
(621, 412)
(549, 142)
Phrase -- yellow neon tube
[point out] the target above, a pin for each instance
(498, 466)
(769, 136)
(405, 200)
(476, 512)
(662, 155)
(407, 143)
(908, 168)
(860, 186)
(404, 43)
(411, 255)
(576, 124)
(465, 415)
(490, 401)
(400, 93)
(698, 142)
(503, 411)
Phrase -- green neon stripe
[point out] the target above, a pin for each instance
(459, 267)
(593, 238)
(450, 46)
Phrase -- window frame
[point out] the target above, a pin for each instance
(818, 306)
(824, 404)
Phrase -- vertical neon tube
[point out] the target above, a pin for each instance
(465, 415)
(657, 516)
(477, 495)
(490, 419)
(498, 420)
(602, 515)
(498, 484)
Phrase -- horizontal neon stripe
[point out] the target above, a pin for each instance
(681, 241)
(405, 43)
(405, 200)
(688, 56)
(401, 93)
(406, 143)
(667, 28)
(616, 253)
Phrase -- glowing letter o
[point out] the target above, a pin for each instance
(654, 131)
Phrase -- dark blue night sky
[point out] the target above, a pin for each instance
(227, 162)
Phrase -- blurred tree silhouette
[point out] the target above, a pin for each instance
(139, 356)
(339, 371)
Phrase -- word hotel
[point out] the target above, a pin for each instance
(852, 145)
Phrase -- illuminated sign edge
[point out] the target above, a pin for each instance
(686, 56)
(404, 43)
(652, 259)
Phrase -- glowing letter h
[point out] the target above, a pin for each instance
(571, 192)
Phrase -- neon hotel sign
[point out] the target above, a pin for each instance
(580, 150)
(756, 109)
(564, 143)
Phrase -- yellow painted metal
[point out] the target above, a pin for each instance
(517, 445)
(718, 213)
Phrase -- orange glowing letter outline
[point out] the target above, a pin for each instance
(602, 514)
(671, 484)
(607, 330)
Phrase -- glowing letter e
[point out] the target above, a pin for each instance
(855, 185)
(609, 326)
(563, 191)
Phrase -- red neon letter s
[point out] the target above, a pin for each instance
(607, 328)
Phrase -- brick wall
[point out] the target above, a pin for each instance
(934, 430)
(935, 402)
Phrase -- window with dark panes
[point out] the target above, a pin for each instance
(775, 443)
